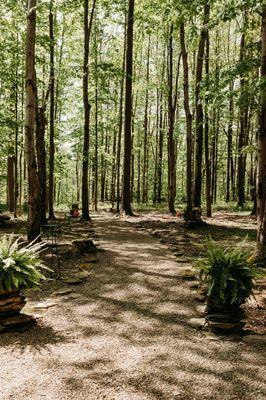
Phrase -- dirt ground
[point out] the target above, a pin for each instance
(124, 332)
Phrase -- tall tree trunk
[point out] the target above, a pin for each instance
(229, 144)
(206, 137)
(52, 113)
(261, 164)
(172, 106)
(199, 109)
(188, 117)
(87, 109)
(242, 129)
(120, 127)
(33, 184)
(11, 183)
(41, 160)
(145, 126)
(128, 111)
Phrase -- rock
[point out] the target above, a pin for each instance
(225, 317)
(82, 275)
(91, 260)
(178, 254)
(200, 297)
(226, 326)
(74, 296)
(201, 310)
(17, 322)
(45, 305)
(193, 284)
(8, 300)
(255, 339)
(85, 267)
(182, 260)
(73, 281)
(62, 292)
(187, 273)
(197, 322)
(203, 289)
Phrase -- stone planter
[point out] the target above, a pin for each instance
(226, 317)
(11, 303)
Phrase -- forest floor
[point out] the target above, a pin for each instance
(124, 331)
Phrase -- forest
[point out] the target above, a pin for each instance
(133, 199)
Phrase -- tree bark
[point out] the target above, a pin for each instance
(126, 206)
(242, 130)
(52, 115)
(87, 109)
(199, 109)
(206, 137)
(188, 117)
(261, 155)
(33, 184)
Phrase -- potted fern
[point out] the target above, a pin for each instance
(20, 268)
(229, 276)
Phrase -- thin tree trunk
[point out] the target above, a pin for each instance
(242, 130)
(206, 137)
(33, 184)
(41, 160)
(199, 109)
(120, 128)
(52, 113)
(261, 166)
(188, 118)
(87, 109)
(128, 111)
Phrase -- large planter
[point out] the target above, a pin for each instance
(224, 317)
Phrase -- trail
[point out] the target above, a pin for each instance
(124, 335)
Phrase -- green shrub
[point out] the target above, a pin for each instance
(20, 267)
(228, 273)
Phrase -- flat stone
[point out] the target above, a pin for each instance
(82, 275)
(255, 339)
(187, 274)
(91, 260)
(197, 322)
(201, 310)
(224, 325)
(15, 299)
(74, 296)
(85, 267)
(200, 297)
(73, 281)
(182, 260)
(18, 320)
(193, 284)
(45, 305)
(62, 292)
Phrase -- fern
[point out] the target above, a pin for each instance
(229, 274)
(20, 267)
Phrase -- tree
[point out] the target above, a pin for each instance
(188, 116)
(126, 204)
(199, 109)
(261, 161)
(87, 109)
(52, 114)
(33, 184)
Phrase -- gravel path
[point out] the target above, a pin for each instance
(124, 335)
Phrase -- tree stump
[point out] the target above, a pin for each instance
(82, 247)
